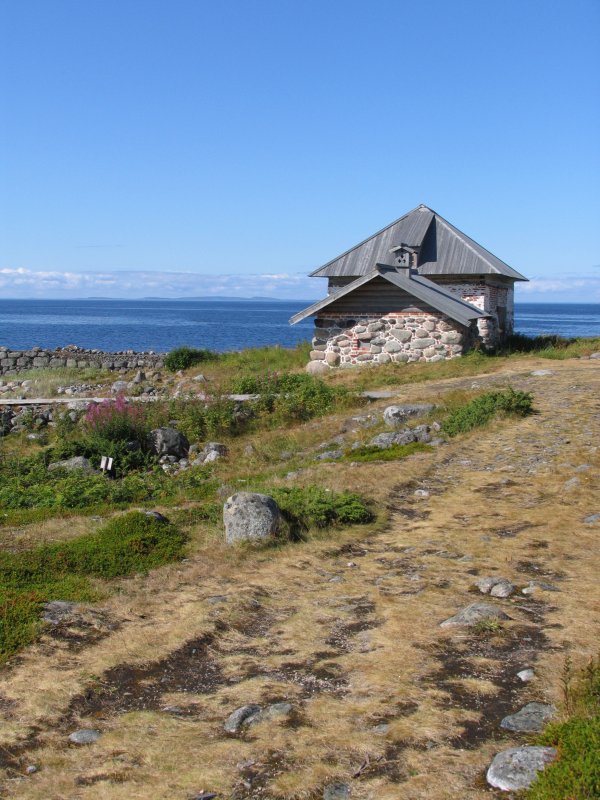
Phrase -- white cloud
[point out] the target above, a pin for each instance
(21, 282)
(568, 287)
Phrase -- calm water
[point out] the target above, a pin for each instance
(161, 325)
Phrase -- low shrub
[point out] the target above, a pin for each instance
(130, 543)
(478, 412)
(291, 396)
(25, 483)
(314, 507)
(576, 771)
(396, 452)
(186, 357)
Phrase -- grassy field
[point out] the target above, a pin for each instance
(171, 630)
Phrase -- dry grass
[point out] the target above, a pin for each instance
(345, 627)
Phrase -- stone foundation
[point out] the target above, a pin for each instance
(341, 341)
(13, 362)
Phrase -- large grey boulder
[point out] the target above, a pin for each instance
(529, 719)
(168, 442)
(518, 767)
(471, 614)
(72, 464)
(397, 415)
(249, 516)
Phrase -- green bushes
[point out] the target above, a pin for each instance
(482, 409)
(576, 771)
(186, 357)
(127, 544)
(314, 507)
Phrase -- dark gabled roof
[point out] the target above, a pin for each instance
(412, 283)
(444, 250)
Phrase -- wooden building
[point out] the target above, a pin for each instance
(417, 290)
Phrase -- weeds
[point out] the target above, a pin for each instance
(482, 409)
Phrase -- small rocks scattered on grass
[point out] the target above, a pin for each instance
(533, 585)
(541, 373)
(526, 675)
(250, 516)
(212, 451)
(252, 714)
(57, 611)
(394, 416)
(496, 587)
(72, 464)
(329, 455)
(572, 483)
(529, 719)
(592, 518)
(518, 767)
(336, 791)
(474, 613)
(85, 736)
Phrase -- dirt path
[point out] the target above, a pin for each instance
(347, 631)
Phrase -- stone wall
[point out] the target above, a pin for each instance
(13, 362)
(341, 341)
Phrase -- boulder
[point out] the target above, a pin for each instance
(336, 791)
(85, 736)
(529, 719)
(72, 464)
(502, 588)
(168, 442)
(473, 613)
(317, 368)
(237, 718)
(397, 415)
(57, 611)
(518, 767)
(213, 451)
(119, 387)
(250, 516)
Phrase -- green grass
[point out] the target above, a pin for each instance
(370, 452)
(482, 409)
(127, 544)
(575, 774)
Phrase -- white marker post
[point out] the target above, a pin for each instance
(106, 463)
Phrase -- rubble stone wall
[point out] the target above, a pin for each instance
(342, 341)
(13, 362)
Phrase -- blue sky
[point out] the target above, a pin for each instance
(186, 147)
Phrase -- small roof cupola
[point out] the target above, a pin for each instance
(406, 256)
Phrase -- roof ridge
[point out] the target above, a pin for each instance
(373, 235)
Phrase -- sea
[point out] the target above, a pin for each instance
(222, 325)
